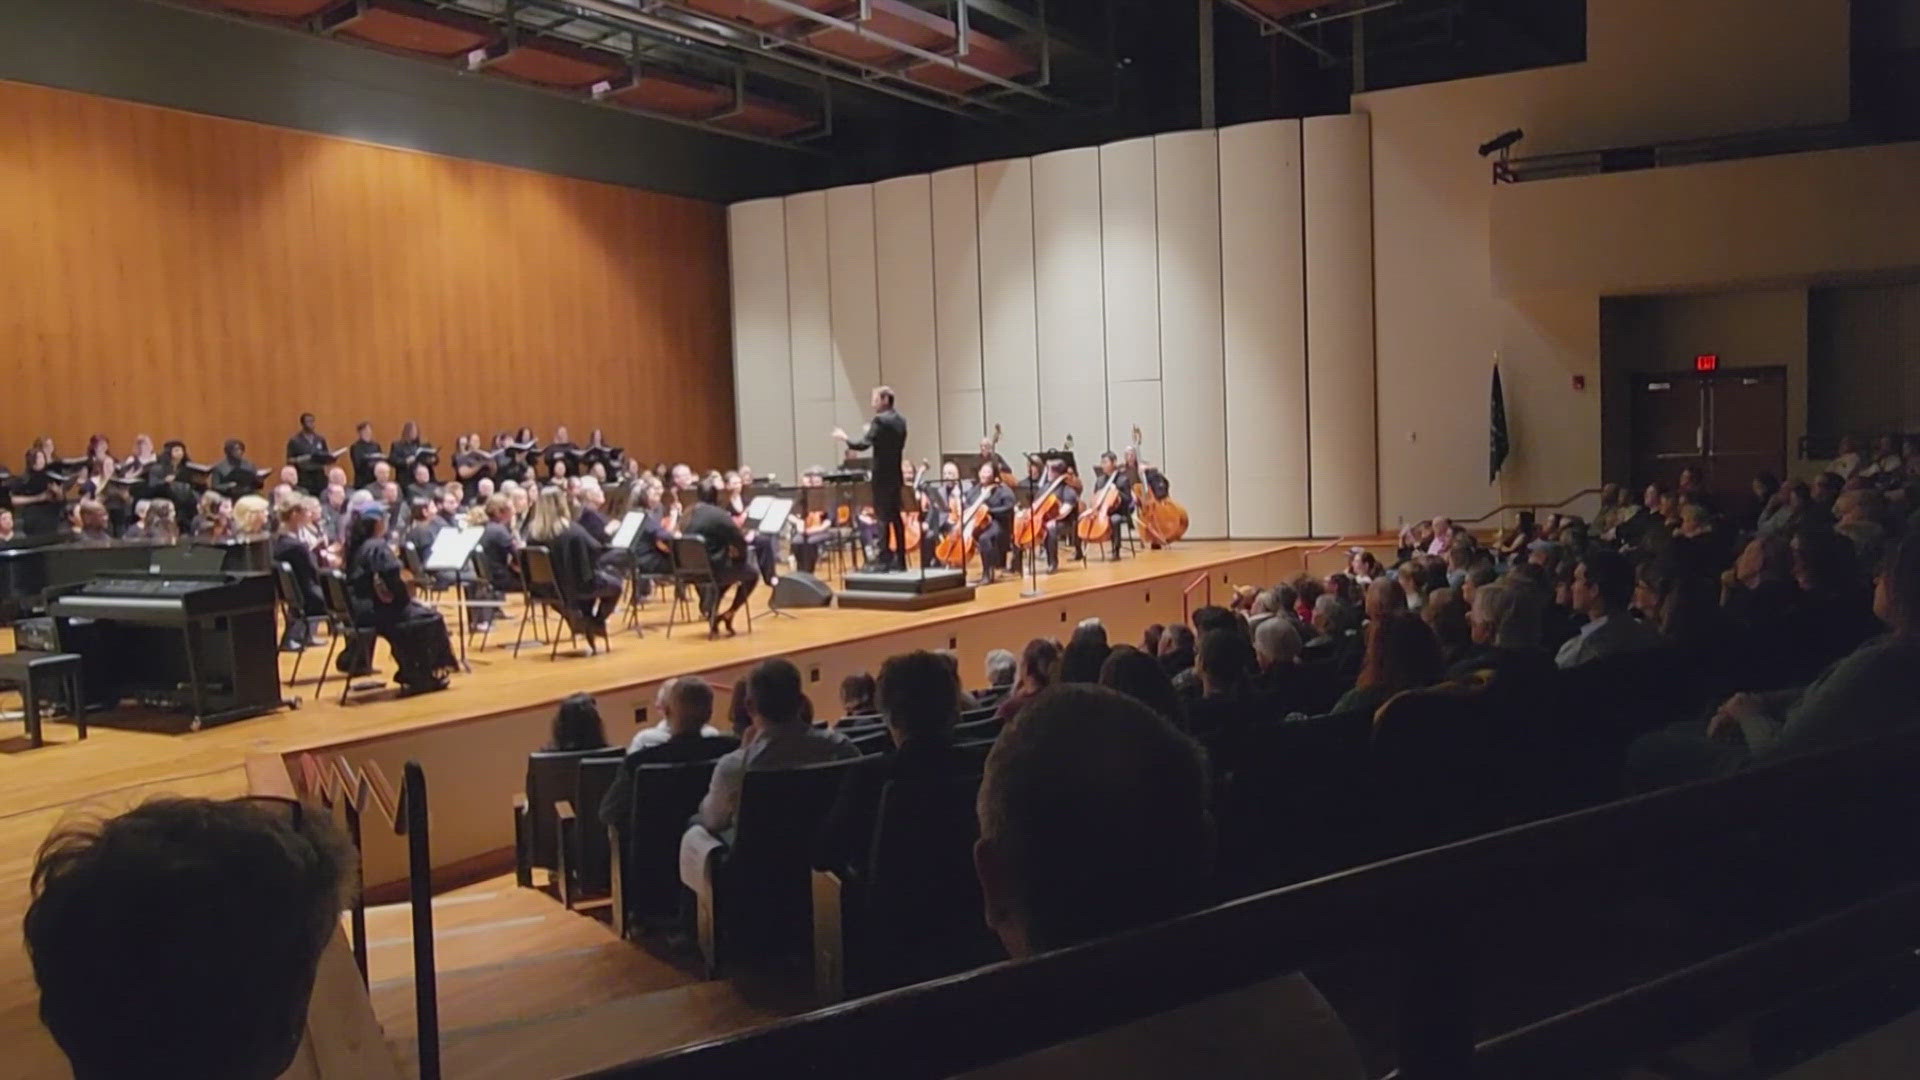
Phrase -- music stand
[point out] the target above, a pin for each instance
(451, 551)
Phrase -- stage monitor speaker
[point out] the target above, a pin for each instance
(798, 590)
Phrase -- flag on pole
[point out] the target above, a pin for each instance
(1498, 447)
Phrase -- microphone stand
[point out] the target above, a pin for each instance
(1033, 544)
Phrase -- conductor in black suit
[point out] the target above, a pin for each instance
(886, 436)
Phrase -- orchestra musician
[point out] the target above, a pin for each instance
(760, 546)
(1111, 472)
(576, 558)
(422, 486)
(989, 453)
(653, 544)
(308, 453)
(994, 539)
(291, 546)
(1051, 479)
(365, 454)
(727, 551)
(415, 633)
(886, 437)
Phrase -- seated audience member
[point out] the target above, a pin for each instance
(1848, 460)
(1176, 649)
(685, 705)
(1139, 676)
(739, 715)
(1336, 643)
(968, 700)
(1094, 820)
(1446, 615)
(1602, 590)
(1214, 617)
(1002, 666)
(182, 938)
(1505, 626)
(782, 737)
(1867, 693)
(1834, 613)
(1276, 646)
(919, 698)
(1086, 650)
(1784, 510)
(1286, 604)
(1039, 663)
(1401, 655)
(577, 725)
(1225, 665)
(856, 695)
(1306, 592)
(1362, 567)
(1150, 639)
(682, 735)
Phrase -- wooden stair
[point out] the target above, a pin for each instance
(531, 991)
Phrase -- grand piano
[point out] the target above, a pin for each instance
(201, 642)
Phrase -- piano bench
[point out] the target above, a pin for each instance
(38, 675)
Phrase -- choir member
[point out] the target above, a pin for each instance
(92, 527)
(235, 475)
(167, 479)
(471, 461)
(365, 453)
(37, 496)
(307, 451)
(560, 450)
(415, 633)
(408, 451)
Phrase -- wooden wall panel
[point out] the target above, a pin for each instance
(187, 276)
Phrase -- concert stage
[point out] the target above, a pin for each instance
(473, 737)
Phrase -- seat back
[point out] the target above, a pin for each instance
(987, 727)
(410, 558)
(766, 874)
(665, 795)
(333, 589)
(597, 775)
(690, 558)
(536, 564)
(922, 911)
(1295, 801)
(989, 706)
(288, 588)
(1434, 767)
(552, 775)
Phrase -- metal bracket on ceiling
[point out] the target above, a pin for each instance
(1270, 26)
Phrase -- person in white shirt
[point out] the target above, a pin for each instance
(1093, 821)
(1603, 590)
(681, 702)
(781, 738)
(1847, 461)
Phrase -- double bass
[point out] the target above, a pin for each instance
(912, 519)
(1162, 521)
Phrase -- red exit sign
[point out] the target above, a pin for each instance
(1707, 362)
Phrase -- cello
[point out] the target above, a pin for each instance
(958, 546)
(1096, 519)
(911, 520)
(1161, 520)
(1029, 521)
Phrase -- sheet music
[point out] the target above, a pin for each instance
(775, 514)
(629, 530)
(757, 509)
(453, 547)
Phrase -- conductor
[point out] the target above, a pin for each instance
(886, 436)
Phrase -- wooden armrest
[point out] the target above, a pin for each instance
(829, 938)
(616, 875)
(522, 843)
(566, 857)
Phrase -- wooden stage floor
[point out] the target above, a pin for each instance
(482, 726)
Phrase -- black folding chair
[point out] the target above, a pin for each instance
(341, 631)
(293, 609)
(693, 570)
(557, 595)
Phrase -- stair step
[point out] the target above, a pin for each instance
(591, 1037)
(504, 936)
(544, 985)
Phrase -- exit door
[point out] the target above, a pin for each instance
(1728, 424)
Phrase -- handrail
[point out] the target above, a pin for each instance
(332, 782)
(1527, 505)
(1205, 577)
(965, 1022)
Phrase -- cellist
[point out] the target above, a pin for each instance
(1120, 480)
(1058, 504)
(993, 539)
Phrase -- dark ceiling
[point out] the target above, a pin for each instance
(882, 87)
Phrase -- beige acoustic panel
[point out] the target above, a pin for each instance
(855, 301)
(1263, 290)
(956, 280)
(762, 362)
(1130, 258)
(1337, 184)
(903, 259)
(1193, 374)
(1067, 298)
(1004, 195)
(963, 417)
(809, 324)
(813, 443)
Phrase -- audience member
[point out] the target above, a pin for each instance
(856, 695)
(1505, 626)
(182, 938)
(1094, 820)
(1446, 616)
(1086, 650)
(1602, 590)
(781, 737)
(1226, 664)
(1150, 639)
(576, 725)
(1140, 677)
(685, 705)
(919, 698)
(1002, 666)
(1401, 655)
(1039, 664)
(1176, 649)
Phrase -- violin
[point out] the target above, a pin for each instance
(1162, 521)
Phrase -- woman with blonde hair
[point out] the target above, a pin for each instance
(250, 516)
(576, 558)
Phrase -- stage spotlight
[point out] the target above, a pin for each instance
(1501, 143)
